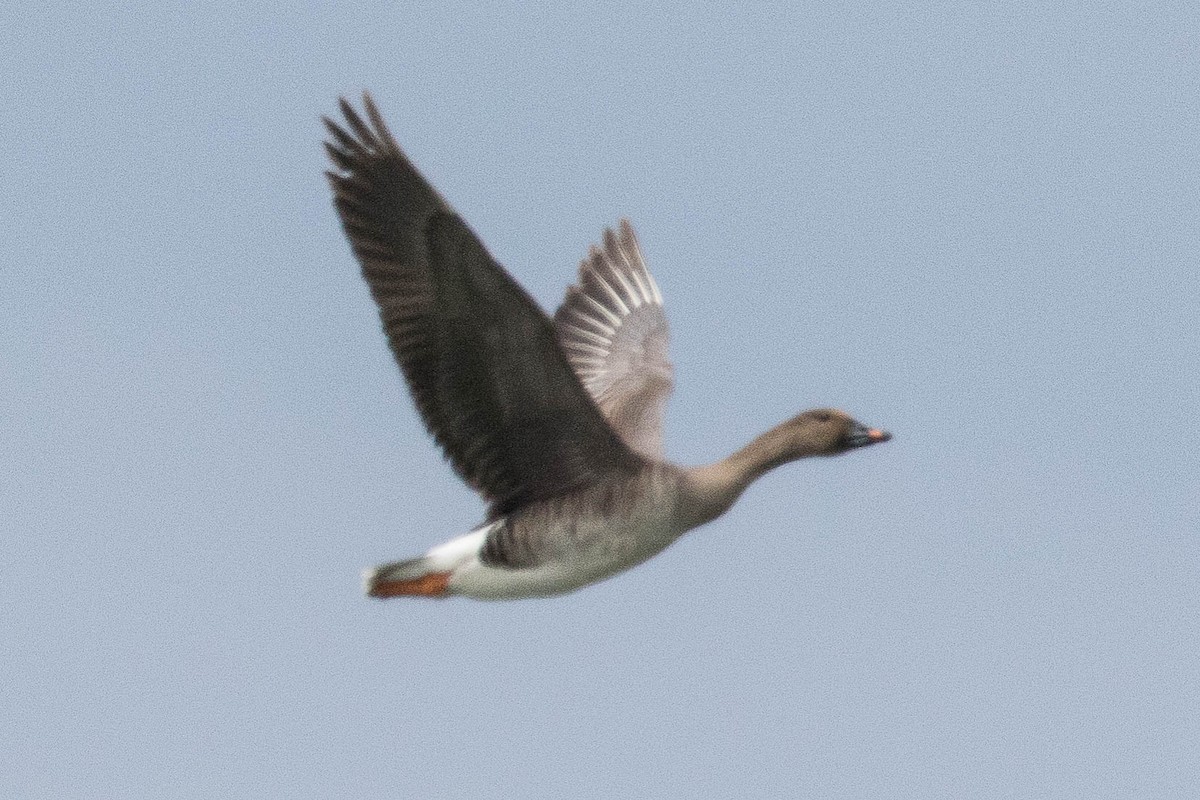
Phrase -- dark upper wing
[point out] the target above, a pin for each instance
(481, 359)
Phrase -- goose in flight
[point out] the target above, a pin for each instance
(556, 422)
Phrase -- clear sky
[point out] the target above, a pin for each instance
(975, 225)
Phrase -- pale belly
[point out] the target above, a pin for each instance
(578, 554)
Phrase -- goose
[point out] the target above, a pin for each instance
(556, 422)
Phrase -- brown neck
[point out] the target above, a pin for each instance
(716, 486)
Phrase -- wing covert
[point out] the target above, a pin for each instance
(481, 360)
(614, 332)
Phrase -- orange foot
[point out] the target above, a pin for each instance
(431, 585)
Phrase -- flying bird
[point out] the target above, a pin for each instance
(556, 422)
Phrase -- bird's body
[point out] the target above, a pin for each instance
(557, 423)
(560, 545)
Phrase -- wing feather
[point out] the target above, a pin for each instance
(614, 331)
(482, 361)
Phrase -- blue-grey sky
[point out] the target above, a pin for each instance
(973, 224)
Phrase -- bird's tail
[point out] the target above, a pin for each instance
(426, 576)
(415, 577)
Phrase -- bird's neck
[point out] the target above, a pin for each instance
(715, 487)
